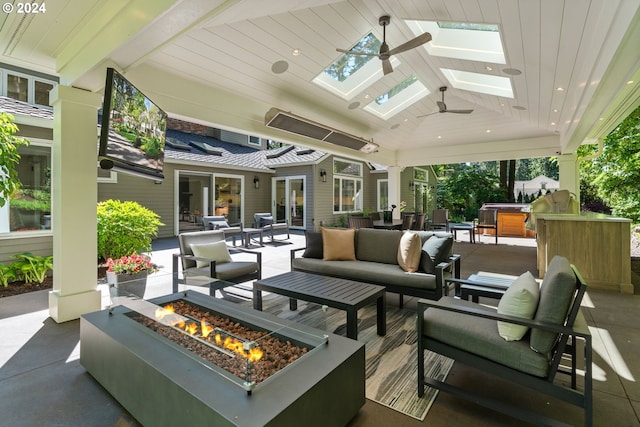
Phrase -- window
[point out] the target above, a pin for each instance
(347, 186)
(254, 140)
(30, 208)
(18, 87)
(26, 88)
(383, 195)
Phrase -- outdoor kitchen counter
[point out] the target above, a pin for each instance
(597, 244)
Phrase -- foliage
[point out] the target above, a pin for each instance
(33, 200)
(131, 264)
(9, 157)
(125, 228)
(616, 172)
(466, 187)
(8, 274)
(28, 267)
(34, 268)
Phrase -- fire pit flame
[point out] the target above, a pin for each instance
(226, 340)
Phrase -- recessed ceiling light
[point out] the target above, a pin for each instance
(512, 71)
(366, 96)
(354, 105)
(439, 136)
(630, 82)
(296, 52)
(502, 104)
(488, 68)
(560, 89)
(488, 131)
(406, 120)
(555, 110)
(280, 67)
(553, 123)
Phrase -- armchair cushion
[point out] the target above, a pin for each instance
(216, 251)
(520, 300)
(409, 251)
(338, 245)
(314, 245)
(556, 295)
(434, 251)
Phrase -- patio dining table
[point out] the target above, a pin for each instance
(395, 224)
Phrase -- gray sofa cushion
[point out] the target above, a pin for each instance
(435, 250)
(556, 293)
(378, 245)
(225, 271)
(313, 247)
(368, 272)
(480, 336)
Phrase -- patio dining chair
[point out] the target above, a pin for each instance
(219, 222)
(440, 220)
(270, 227)
(360, 222)
(488, 220)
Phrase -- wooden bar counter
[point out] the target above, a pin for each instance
(597, 244)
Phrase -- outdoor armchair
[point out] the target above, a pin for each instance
(204, 256)
(219, 222)
(483, 338)
(271, 227)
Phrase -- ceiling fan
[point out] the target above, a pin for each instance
(385, 53)
(442, 107)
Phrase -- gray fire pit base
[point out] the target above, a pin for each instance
(161, 384)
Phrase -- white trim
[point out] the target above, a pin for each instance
(287, 180)
(378, 191)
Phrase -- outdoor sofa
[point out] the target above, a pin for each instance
(372, 256)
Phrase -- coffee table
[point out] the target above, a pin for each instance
(330, 291)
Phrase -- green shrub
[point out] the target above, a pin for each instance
(8, 274)
(33, 268)
(125, 228)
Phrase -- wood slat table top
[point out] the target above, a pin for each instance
(330, 288)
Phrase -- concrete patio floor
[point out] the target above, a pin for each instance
(43, 384)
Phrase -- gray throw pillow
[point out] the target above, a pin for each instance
(434, 251)
(314, 245)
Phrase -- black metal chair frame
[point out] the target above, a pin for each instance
(487, 220)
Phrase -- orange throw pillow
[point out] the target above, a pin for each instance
(338, 245)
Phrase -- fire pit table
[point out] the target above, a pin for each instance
(162, 383)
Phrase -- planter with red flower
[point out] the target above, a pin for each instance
(128, 274)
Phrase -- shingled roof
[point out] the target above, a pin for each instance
(183, 146)
(13, 106)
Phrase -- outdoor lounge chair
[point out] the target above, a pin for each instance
(201, 270)
(271, 228)
(219, 222)
(469, 333)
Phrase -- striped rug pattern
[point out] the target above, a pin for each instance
(391, 360)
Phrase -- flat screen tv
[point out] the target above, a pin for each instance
(132, 131)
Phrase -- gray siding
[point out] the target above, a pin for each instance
(160, 197)
(40, 245)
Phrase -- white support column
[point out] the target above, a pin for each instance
(74, 196)
(569, 173)
(393, 175)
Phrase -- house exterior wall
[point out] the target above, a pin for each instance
(160, 197)
(37, 245)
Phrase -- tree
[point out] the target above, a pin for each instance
(616, 173)
(9, 157)
(467, 187)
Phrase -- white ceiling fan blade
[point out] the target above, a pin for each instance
(460, 111)
(386, 67)
(411, 44)
(355, 52)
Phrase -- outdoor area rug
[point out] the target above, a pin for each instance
(391, 360)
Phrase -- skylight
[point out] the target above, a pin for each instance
(397, 98)
(462, 40)
(349, 75)
(477, 82)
